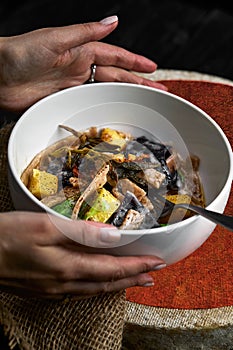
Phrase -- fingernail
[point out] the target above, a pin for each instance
(109, 20)
(163, 87)
(148, 284)
(109, 235)
(146, 281)
(159, 267)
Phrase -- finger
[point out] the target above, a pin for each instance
(84, 288)
(103, 268)
(78, 34)
(109, 74)
(77, 289)
(90, 234)
(109, 55)
(58, 231)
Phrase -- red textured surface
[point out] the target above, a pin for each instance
(205, 278)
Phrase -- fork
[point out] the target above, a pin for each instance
(218, 218)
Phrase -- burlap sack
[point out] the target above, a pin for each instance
(95, 323)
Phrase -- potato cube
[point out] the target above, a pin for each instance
(105, 204)
(113, 137)
(42, 184)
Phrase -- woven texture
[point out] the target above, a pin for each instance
(90, 324)
(5, 199)
(94, 323)
(204, 280)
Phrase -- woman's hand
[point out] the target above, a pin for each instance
(44, 61)
(38, 259)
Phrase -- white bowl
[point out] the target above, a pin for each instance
(136, 107)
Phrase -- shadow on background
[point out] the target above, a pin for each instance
(179, 34)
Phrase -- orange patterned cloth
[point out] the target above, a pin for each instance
(205, 278)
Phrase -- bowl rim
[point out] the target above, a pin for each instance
(158, 230)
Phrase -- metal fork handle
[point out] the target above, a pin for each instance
(220, 219)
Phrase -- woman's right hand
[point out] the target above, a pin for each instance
(38, 259)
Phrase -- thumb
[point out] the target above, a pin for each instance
(90, 234)
(78, 34)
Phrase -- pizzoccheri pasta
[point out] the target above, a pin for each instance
(110, 176)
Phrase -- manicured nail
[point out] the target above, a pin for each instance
(148, 284)
(146, 280)
(159, 267)
(109, 20)
(162, 87)
(110, 235)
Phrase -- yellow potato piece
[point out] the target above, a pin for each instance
(177, 214)
(103, 207)
(42, 184)
(113, 137)
(179, 198)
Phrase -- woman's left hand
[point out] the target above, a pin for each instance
(44, 61)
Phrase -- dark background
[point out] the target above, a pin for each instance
(179, 34)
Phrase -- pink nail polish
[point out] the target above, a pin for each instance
(109, 20)
(159, 267)
(148, 284)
